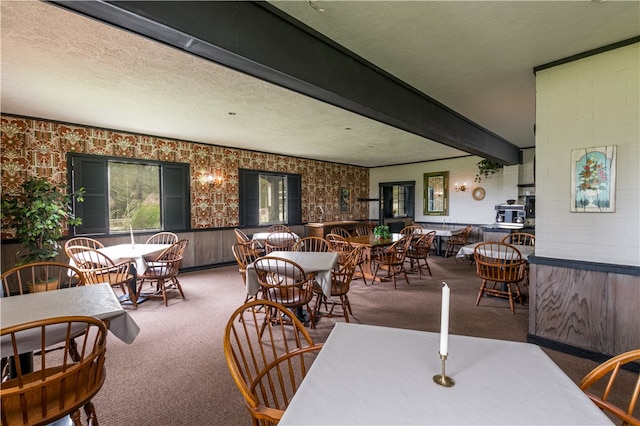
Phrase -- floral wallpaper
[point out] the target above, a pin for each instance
(39, 147)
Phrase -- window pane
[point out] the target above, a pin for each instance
(273, 195)
(134, 196)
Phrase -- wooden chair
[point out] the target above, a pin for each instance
(610, 369)
(456, 241)
(285, 282)
(340, 284)
(244, 254)
(98, 268)
(363, 230)
(164, 272)
(340, 245)
(315, 244)
(268, 352)
(163, 238)
(411, 229)
(520, 239)
(501, 264)
(337, 230)
(391, 259)
(59, 386)
(278, 228)
(82, 241)
(40, 276)
(419, 251)
(279, 241)
(243, 238)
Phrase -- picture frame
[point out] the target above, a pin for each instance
(436, 194)
(344, 200)
(593, 179)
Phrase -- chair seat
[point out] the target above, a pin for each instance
(289, 296)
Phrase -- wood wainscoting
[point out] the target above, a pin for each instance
(584, 305)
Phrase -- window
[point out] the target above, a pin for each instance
(134, 196)
(268, 197)
(273, 198)
(398, 199)
(119, 193)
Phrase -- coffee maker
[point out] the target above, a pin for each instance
(512, 216)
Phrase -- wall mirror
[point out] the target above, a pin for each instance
(436, 193)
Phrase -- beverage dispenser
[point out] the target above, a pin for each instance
(512, 216)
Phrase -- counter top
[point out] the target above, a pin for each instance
(336, 223)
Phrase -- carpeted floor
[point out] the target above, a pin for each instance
(175, 372)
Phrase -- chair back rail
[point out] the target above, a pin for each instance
(164, 269)
(278, 228)
(268, 352)
(98, 268)
(279, 241)
(40, 276)
(163, 238)
(58, 385)
(313, 244)
(608, 372)
(500, 263)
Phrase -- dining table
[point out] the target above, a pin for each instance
(372, 375)
(468, 250)
(96, 300)
(444, 231)
(261, 237)
(320, 264)
(369, 243)
(139, 253)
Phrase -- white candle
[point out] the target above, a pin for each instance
(444, 320)
(131, 232)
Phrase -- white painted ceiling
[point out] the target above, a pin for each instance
(475, 57)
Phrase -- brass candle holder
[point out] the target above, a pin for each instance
(443, 379)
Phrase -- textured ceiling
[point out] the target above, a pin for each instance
(475, 57)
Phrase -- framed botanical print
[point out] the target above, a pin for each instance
(344, 200)
(593, 179)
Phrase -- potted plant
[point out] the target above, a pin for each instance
(486, 169)
(39, 214)
(381, 232)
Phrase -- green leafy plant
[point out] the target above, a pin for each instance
(381, 231)
(39, 214)
(486, 169)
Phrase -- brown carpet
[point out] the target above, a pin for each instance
(175, 372)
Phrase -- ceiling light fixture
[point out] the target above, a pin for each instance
(312, 4)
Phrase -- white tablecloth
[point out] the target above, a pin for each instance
(442, 232)
(467, 250)
(137, 253)
(262, 236)
(368, 375)
(93, 300)
(311, 262)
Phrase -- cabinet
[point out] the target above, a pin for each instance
(321, 229)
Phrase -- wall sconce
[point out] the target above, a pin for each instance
(462, 187)
(213, 180)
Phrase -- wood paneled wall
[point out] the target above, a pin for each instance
(594, 310)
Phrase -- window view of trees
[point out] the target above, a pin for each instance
(134, 196)
(273, 196)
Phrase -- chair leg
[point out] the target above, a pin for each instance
(481, 292)
(511, 305)
(426, 263)
(312, 317)
(90, 411)
(346, 307)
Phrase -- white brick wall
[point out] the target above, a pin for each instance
(591, 102)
